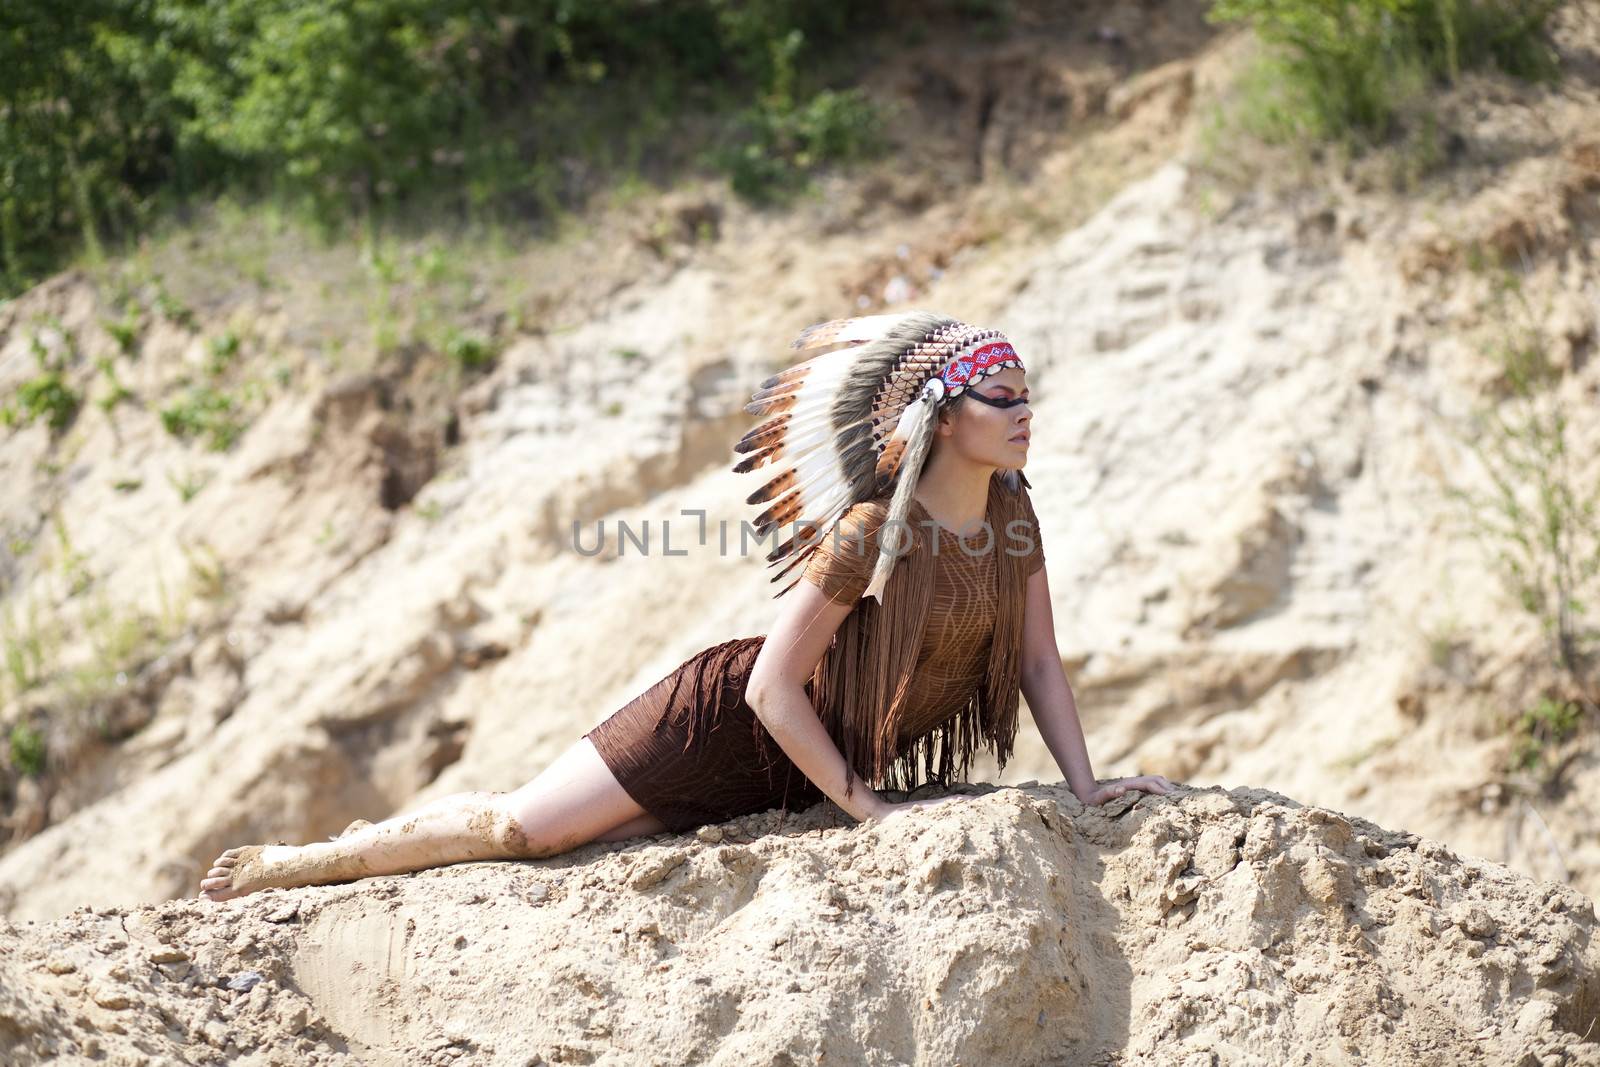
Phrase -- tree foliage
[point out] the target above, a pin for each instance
(114, 109)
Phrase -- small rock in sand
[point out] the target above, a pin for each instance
(244, 981)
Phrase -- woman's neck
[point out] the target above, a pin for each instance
(955, 494)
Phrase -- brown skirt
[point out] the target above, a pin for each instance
(690, 751)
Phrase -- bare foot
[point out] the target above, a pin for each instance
(244, 870)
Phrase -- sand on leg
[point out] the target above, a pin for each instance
(572, 802)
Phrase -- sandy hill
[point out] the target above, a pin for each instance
(1253, 402)
(1209, 926)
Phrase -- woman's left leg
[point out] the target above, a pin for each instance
(573, 801)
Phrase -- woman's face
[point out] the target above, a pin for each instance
(987, 435)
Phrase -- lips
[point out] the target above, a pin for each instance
(1019, 439)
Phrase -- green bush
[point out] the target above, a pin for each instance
(28, 646)
(784, 144)
(377, 106)
(174, 310)
(1547, 723)
(46, 396)
(205, 411)
(188, 484)
(115, 392)
(780, 139)
(469, 351)
(27, 749)
(1350, 68)
(224, 350)
(125, 332)
(1539, 518)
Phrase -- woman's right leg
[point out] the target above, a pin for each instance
(573, 801)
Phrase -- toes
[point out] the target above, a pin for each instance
(226, 860)
(220, 872)
(209, 884)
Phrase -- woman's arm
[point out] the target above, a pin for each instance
(1044, 685)
(776, 692)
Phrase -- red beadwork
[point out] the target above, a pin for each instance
(961, 371)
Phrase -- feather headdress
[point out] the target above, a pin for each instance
(847, 422)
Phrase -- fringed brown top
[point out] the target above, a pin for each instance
(911, 687)
(691, 751)
(960, 625)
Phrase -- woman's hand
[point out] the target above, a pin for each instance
(1116, 787)
(892, 810)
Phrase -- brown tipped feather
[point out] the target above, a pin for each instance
(831, 449)
(820, 333)
(760, 459)
(792, 374)
(889, 461)
(799, 561)
(771, 405)
(785, 510)
(781, 389)
(781, 484)
(759, 442)
(804, 542)
(757, 438)
(786, 588)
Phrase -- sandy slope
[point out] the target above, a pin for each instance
(1250, 407)
(1017, 927)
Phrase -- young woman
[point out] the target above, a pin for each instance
(925, 609)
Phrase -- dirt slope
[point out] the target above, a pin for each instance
(1017, 927)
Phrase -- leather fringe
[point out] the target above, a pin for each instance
(714, 687)
(860, 687)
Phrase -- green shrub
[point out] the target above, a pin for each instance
(206, 412)
(785, 144)
(125, 332)
(27, 749)
(46, 396)
(339, 106)
(469, 351)
(187, 485)
(781, 140)
(115, 392)
(174, 310)
(1539, 519)
(28, 645)
(1352, 68)
(224, 349)
(1547, 723)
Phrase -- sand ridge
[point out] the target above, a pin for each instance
(1015, 926)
